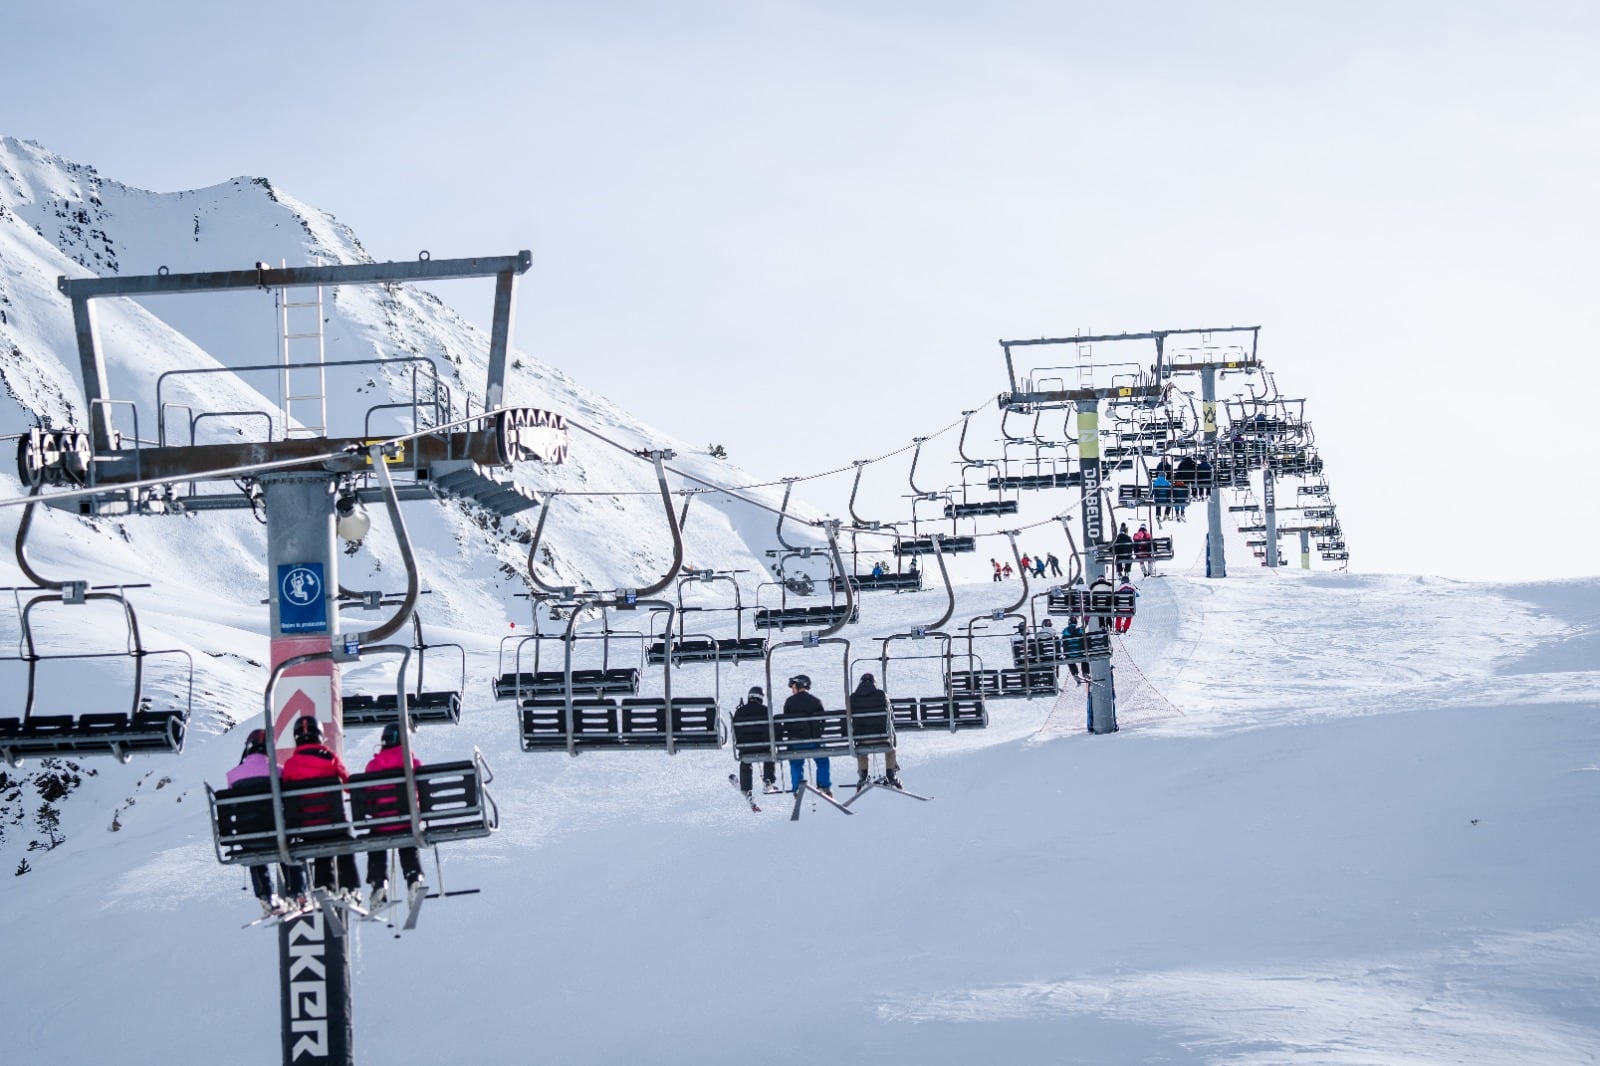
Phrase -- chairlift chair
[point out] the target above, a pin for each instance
(265, 819)
(142, 728)
(423, 706)
(568, 722)
(702, 648)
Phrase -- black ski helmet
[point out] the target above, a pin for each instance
(755, 693)
(256, 742)
(800, 681)
(391, 736)
(307, 730)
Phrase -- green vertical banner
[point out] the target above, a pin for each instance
(1089, 470)
(315, 979)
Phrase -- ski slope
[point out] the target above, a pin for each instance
(1347, 819)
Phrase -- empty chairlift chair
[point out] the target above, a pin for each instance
(571, 723)
(687, 647)
(150, 723)
(518, 683)
(424, 705)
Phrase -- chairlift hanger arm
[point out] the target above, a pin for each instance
(949, 590)
(23, 527)
(391, 502)
(911, 477)
(861, 523)
(1016, 553)
(961, 444)
(533, 557)
(1075, 571)
(783, 512)
(832, 530)
(657, 457)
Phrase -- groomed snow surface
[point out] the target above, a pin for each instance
(1348, 819)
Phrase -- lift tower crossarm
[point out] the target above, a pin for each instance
(1248, 362)
(1158, 335)
(264, 277)
(1016, 401)
(97, 389)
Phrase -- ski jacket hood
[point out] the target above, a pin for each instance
(250, 766)
(390, 759)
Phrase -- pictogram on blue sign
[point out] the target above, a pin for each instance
(302, 599)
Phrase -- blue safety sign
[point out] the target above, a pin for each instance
(302, 598)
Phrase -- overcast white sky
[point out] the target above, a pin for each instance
(798, 228)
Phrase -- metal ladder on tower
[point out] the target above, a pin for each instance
(1085, 367)
(302, 382)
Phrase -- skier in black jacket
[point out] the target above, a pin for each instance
(750, 731)
(1122, 552)
(802, 720)
(869, 720)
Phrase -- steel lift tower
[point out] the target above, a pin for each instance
(305, 481)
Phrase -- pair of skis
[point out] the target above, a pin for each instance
(799, 796)
(749, 797)
(338, 910)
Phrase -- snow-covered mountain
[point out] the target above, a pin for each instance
(1348, 818)
(62, 218)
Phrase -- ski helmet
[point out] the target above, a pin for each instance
(391, 736)
(800, 681)
(307, 730)
(755, 693)
(256, 742)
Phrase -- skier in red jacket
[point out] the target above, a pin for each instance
(315, 762)
(1125, 621)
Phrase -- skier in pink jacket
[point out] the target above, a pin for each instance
(254, 764)
(387, 804)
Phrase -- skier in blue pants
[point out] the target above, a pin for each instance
(802, 720)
